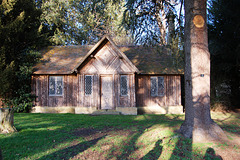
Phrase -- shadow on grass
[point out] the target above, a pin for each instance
(130, 146)
(72, 151)
(210, 154)
(155, 153)
(182, 149)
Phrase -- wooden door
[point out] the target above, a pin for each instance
(106, 92)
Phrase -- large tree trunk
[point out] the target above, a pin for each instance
(198, 123)
(6, 121)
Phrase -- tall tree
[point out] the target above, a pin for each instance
(198, 123)
(224, 45)
(83, 21)
(20, 34)
(147, 20)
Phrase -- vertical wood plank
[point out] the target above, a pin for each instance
(75, 90)
(98, 101)
(80, 96)
(33, 88)
(64, 101)
(165, 91)
(175, 90)
(70, 90)
(179, 91)
(133, 104)
(44, 94)
(38, 89)
(117, 90)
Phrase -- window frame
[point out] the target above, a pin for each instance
(55, 85)
(86, 87)
(127, 86)
(158, 89)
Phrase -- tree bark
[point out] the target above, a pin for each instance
(6, 120)
(198, 124)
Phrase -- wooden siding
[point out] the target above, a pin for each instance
(40, 87)
(74, 94)
(172, 96)
(107, 62)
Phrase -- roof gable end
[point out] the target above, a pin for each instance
(93, 52)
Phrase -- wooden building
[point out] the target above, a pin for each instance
(106, 78)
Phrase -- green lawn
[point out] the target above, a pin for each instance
(70, 136)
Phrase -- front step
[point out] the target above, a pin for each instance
(105, 112)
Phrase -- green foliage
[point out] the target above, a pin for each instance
(177, 52)
(224, 46)
(83, 21)
(24, 102)
(20, 35)
(147, 20)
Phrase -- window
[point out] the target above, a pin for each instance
(88, 85)
(157, 86)
(55, 85)
(123, 85)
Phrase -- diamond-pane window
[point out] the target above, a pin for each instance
(161, 86)
(55, 85)
(157, 86)
(154, 87)
(88, 84)
(123, 85)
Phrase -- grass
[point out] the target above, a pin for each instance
(70, 136)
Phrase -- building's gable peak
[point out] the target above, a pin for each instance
(106, 39)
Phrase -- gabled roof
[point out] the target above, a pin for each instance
(66, 59)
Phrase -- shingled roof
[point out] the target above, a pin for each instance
(65, 59)
(61, 59)
(152, 60)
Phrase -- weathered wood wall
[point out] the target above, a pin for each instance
(107, 62)
(74, 94)
(40, 87)
(172, 96)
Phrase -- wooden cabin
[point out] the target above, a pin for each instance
(106, 78)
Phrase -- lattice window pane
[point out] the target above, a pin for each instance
(55, 85)
(59, 86)
(154, 87)
(123, 86)
(161, 89)
(52, 85)
(88, 85)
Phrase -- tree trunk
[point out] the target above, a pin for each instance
(198, 124)
(6, 120)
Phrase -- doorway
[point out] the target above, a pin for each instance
(106, 92)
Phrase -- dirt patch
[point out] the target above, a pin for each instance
(92, 133)
(229, 149)
(107, 147)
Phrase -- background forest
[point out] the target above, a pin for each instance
(26, 26)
